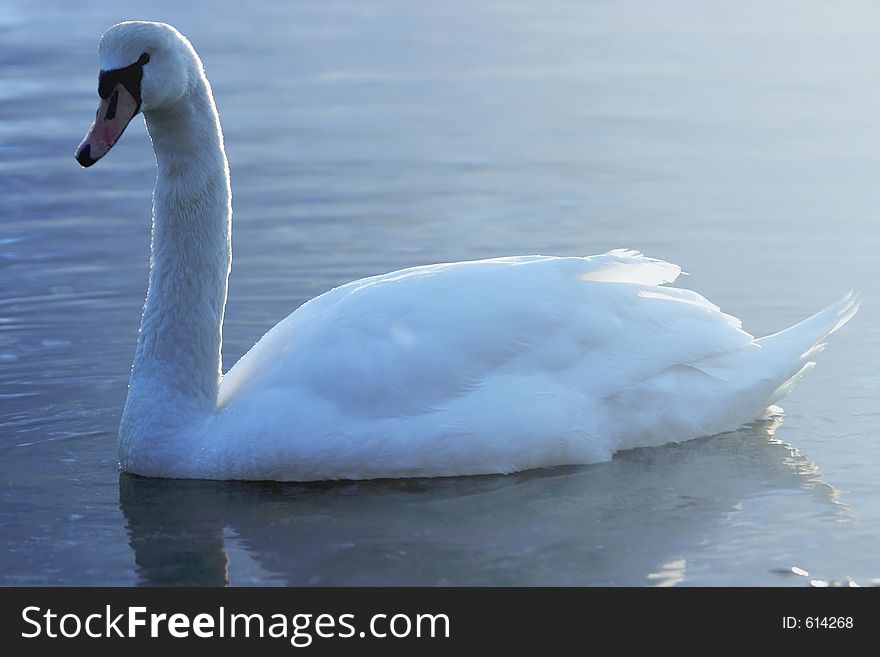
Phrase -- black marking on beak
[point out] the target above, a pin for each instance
(84, 157)
(129, 77)
(111, 110)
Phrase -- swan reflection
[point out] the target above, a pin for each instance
(631, 521)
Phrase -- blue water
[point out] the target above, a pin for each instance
(741, 140)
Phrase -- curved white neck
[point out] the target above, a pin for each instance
(177, 363)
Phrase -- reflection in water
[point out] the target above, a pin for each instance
(176, 531)
(636, 520)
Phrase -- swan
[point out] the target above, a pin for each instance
(482, 367)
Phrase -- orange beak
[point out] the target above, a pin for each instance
(114, 113)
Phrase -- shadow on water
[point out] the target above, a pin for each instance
(631, 521)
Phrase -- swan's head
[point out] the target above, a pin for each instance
(144, 67)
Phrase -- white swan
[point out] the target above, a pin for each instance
(490, 366)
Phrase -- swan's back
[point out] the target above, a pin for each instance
(496, 366)
(398, 343)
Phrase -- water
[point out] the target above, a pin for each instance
(738, 139)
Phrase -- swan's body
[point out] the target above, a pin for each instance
(490, 366)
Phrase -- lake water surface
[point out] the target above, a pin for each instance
(741, 140)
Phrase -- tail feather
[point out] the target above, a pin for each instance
(792, 349)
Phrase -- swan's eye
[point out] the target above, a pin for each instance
(144, 58)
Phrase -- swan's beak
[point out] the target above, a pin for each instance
(114, 113)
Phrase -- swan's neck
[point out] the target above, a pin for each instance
(177, 363)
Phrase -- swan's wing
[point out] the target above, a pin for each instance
(413, 341)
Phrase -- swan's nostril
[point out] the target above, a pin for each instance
(111, 110)
(84, 156)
